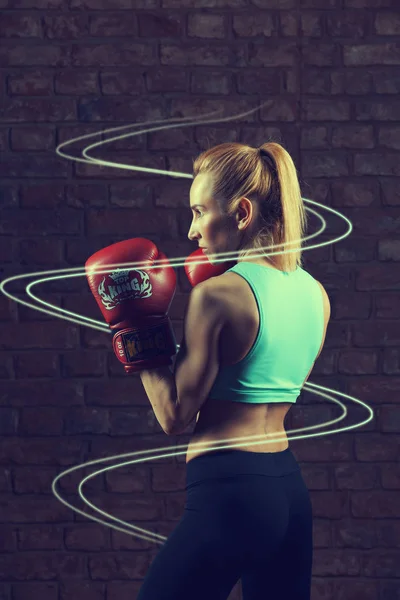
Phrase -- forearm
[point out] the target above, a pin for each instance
(159, 385)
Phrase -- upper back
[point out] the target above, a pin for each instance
(236, 295)
(282, 317)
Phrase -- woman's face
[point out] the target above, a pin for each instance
(214, 231)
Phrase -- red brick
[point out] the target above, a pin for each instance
(40, 537)
(336, 561)
(66, 27)
(76, 83)
(45, 591)
(32, 364)
(43, 565)
(45, 54)
(20, 26)
(38, 82)
(83, 590)
(32, 138)
(375, 504)
(87, 537)
(34, 480)
(355, 533)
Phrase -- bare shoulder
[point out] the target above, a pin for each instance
(221, 284)
(212, 287)
(220, 290)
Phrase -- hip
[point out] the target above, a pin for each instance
(203, 443)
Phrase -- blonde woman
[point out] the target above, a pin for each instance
(252, 333)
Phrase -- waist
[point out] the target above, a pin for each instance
(220, 464)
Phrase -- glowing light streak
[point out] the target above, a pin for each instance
(63, 274)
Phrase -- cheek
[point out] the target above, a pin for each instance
(221, 228)
(214, 228)
(210, 230)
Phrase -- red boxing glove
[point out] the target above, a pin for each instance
(200, 272)
(134, 302)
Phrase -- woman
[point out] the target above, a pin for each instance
(248, 513)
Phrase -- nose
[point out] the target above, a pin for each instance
(192, 235)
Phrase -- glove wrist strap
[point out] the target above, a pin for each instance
(146, 347)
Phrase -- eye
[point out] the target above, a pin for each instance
(197, 211)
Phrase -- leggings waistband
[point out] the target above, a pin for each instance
(227, 463)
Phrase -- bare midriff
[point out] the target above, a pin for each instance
(222, 422)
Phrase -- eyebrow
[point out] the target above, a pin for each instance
(194, 205)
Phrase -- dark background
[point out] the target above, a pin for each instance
(330, 69)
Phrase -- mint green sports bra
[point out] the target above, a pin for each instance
(289, 337)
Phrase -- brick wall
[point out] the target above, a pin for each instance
(331, 71)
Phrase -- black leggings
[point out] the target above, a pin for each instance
(248, 516)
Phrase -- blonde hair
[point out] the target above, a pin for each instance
(268, 177)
